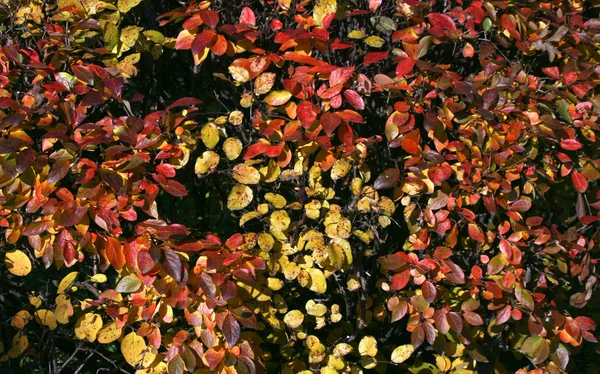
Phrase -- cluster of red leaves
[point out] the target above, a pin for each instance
(475, 153)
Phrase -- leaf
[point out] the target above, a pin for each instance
(322, 9)
(210, 135)
(277, 98)
(128, 284)
(400, 280)
(520, 205)
(17, 263)
(340, 75)
(87, 326)
(579, 181)
(264, 82)
(172, 265)
(387, 179)
(245, 174)
(374, 57)
(247, 17)
(368, 346)
(317, 282)
(355, 99)
(133, 348)
(402, 353)
(46, 317)
(404, 67)
(232, 148)
(125, 6)
(109, 333)
(293, 319)
(231, 330)
(330, 122)
(66, 282)
(240, 197)
(207, 163)
(374, 41)
(570, 144)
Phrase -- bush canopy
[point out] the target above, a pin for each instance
(299, 186)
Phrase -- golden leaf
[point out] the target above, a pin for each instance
(240, 197)
(63, 310)
(207, 163)
(367, 346)
(109, 333)
(46, 317)
(293, 319)
(210, 135)
(246, 174)
(87, 326)
(66, 282)
(133, 348)
(17, 263)
(232, 148)
(322, 9)
(402, 353)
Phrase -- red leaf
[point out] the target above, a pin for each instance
(570, 144)
(473, 319)
(166, 169)
(354, 99)
(506, 248)
(442, 20)
(205, 39)
(248, 17)
(340, 75)
(429, 291)
(114, 253)
(307, 113)
(374, 4)
(552, 72)
(520, 205)
(330, 122)
(455, 321)
(172, 264)
(503, 315)
(400, 280)
(209, 17)
(404, 67)
(220, 46)
(374, 57)
(184, 101)
(580, 181)
(255, 150)
(417, 336)
(231, 330)
(387, 179)
(475, 232)
(175, 188)
(351, 116)
(510, 24)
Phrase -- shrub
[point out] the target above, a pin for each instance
(299, 186)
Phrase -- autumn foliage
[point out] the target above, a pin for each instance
(299, 186)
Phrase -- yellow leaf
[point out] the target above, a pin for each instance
(46, 317)
(263, 83)
(246, 174)
(374, 41)
(35, 301)
(232, 148)
(240, 197)
(99, 278)
(356, 34)
(63, 310)
(342, 349)
(277, 98)
(21, 319)
(129, 36)
(293, 319)
(280, 220)
(109, 333)
(317, 282)
(87, 326)
(367, 346)
(126, 5)
(402, 353)
(127, 65)
(17, 263)
(239, 74)
(133, 348)
(276, 199)
(236, 118)
(322, 9)
(315, 309)
(210, 135)
(265, 241)
(66, 282)
(207, 163)
(340, 169)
